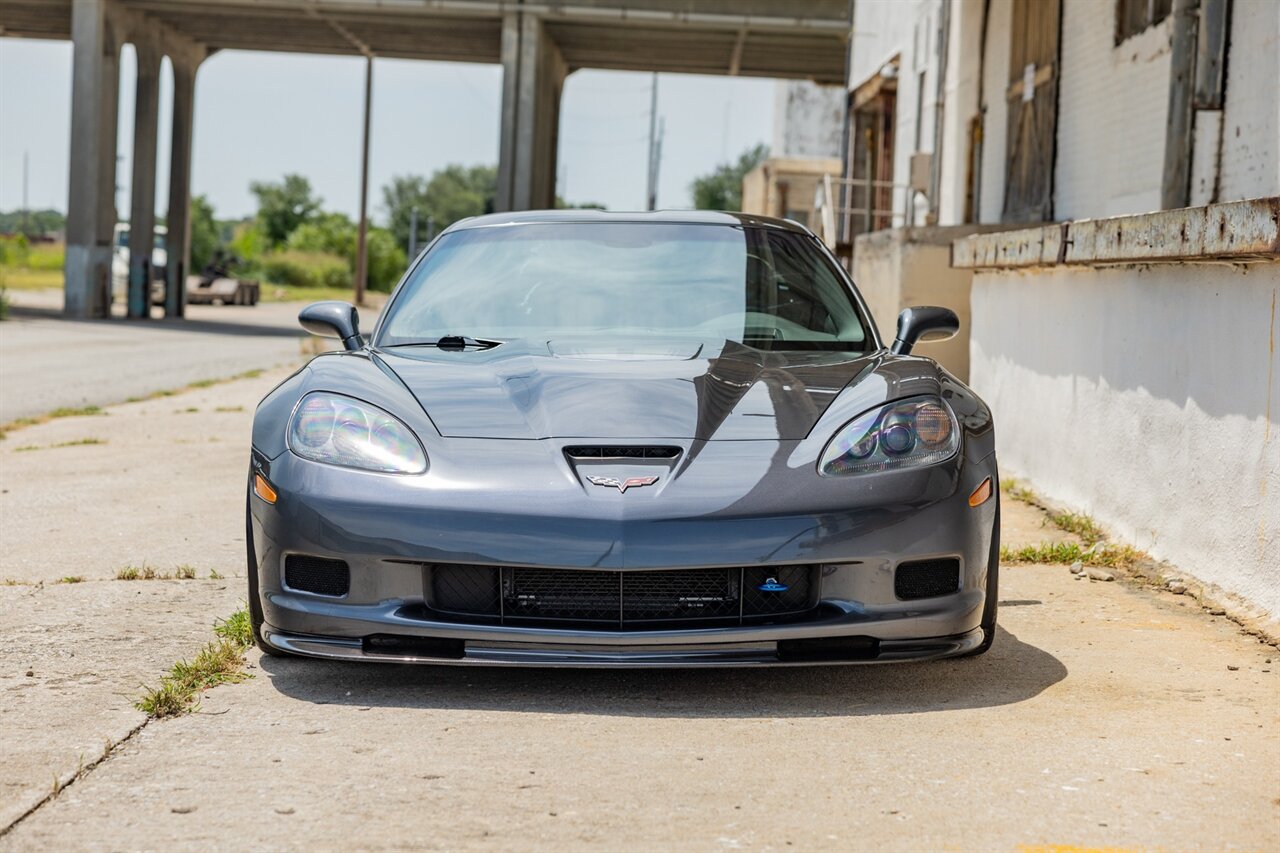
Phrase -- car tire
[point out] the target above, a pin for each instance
(255, 602)
(993, 589)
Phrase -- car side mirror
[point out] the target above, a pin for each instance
(924, 323)
(333, 319)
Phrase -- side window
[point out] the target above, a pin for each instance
(1134, 16)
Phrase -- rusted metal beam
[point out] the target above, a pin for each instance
(1234, 231)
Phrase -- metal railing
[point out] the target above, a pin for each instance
(839, 221)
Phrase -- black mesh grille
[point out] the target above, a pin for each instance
(625, 451)
(560, 594)
(623, 598)
(465, 589)
(926, 579)
(684, 594)
(316, 574)
(767, 591)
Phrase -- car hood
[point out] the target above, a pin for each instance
(707, 390)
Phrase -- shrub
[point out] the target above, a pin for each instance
(386, 260)
(305, 269)
(14, 251)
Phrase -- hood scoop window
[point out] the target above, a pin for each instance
(621, 451)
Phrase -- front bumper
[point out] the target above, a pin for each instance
(388, 529)
(582, 652)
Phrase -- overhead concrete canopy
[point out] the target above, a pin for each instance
(755, 38)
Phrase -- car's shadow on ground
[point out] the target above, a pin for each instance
(1012, 671)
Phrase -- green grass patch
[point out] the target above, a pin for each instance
(12, 278)
(80, 442)
(1099, 554)
(71, 579)
(62, 412)
(76, 412)
(229, 409)
(1079, 524)
(236, 628)
(185, 572)
(136, 573)
(1017, 491)
(219, 662)
(214, 575)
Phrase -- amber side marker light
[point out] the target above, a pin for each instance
(263, 489)
(978, 498)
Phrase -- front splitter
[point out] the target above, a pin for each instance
(490, 653)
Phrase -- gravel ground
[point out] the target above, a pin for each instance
(1105, 716)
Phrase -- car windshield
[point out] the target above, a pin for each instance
(764, 287)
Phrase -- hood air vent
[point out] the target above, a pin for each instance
(621, 451)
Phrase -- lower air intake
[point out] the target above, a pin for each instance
(926, 579)
(317, 575)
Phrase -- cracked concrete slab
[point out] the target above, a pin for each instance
(1105, 716)
(73, 659)
(165, 487)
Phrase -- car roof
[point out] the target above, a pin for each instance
(688, 217)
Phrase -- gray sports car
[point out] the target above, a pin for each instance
(590, 439)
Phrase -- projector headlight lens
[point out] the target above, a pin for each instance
(338, 430)
(905, 434)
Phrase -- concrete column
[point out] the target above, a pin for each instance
(533, 73)
(142, 215)
(179, 215)
(91, 215)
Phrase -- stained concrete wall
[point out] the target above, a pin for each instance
(1149, 397)
(808, 120)
(900, 267)
(1251, 118)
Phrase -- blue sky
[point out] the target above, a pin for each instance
(260, 115)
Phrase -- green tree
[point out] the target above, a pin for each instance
(722, 189)
(205, 233)
(326, 232)
(386, 259)
(284, 206)
(454, 192)
(335, 234)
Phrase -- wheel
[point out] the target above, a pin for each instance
(993, 589)
(255, 603)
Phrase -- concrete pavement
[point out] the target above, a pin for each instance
(1105, 716)
(48, 361)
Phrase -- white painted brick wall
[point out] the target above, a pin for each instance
(906, 28)
(1112, 115)
(995, 123)
(1251, 121)
(1106, 401)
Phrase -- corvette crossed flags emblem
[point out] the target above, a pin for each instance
(622, 485)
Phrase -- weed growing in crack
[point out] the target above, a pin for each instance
(219, 662)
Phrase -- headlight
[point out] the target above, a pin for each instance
(905, 434)
(341, 431)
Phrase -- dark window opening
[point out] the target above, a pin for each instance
(1134, 16)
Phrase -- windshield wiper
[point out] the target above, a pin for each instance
(452, 342)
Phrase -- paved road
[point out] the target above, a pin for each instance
(1105, 716)
(48, 362)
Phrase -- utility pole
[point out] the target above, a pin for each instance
(657, 163)
(651, 188)
(413, 232)
(362, 247)
(25, 207)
